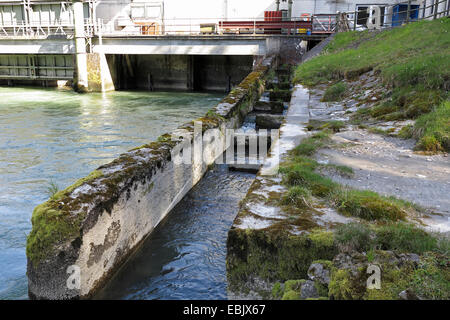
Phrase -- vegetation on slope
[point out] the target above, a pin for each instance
(381, 237)
(413, 63)
(300, 175)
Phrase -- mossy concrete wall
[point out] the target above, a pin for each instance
(84, 233)
(267, 241)
(99, 76)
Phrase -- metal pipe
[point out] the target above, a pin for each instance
(290, 9)
(278, 5)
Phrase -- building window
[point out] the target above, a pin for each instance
(362, 15)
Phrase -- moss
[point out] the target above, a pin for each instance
(322, 290)
(291, 295)
(277, 291)
(92, 176)
(319, 298)
(293, 285)
(53, 224)
(367, 205)
(322, 238)
(273, 255)
(345, 286)
(50, 226)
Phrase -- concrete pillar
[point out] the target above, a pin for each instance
(81, 81)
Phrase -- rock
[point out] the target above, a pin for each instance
(269, 121)
(319, 272)
(269, 107)
(408, 294)
(409, 258)
(308, 290)
(280, 95)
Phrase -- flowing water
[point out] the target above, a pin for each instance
(184, 257)
(50, 135)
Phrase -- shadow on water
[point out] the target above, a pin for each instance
(184, 257)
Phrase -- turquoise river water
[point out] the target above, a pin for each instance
(50, 135)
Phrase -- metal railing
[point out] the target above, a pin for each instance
(29, 30)
(324, 23)
(350, 21)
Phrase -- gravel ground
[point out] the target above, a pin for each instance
(389, 166)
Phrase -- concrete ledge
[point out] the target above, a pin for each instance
(266, 242)
(84, 233)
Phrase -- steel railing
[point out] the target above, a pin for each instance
(438, 9)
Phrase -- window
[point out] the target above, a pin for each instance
(145, 11)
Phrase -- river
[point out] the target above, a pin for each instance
(57, 136)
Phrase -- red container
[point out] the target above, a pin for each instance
(273, 15)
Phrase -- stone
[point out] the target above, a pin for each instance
(409, 258)
(319, 272)
(269, 107)
(308, 290)
(408, 294)
(269, 121)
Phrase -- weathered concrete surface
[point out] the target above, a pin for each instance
(264, 236)
(269, 121)
(37, 46)
(99, 76)
(179, 72)
(92, 227)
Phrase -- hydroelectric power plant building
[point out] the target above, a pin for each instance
(101, 45)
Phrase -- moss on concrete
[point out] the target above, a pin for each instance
(274, 254)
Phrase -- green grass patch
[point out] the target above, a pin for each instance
(335, 92)
(433, 129)
(397, 236)
(311, 144)
(409, 55)
(299, 173)
(414, 66)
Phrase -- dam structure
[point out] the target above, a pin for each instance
(109, 45)
(84, 235)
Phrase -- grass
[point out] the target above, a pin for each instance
(396, 236)
(414, 66)
(300, 175)
(335, 92)
(52, 189)
(433, 129)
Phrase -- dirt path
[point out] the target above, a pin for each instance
(389, 166)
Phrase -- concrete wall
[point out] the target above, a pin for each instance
(82, 235)
(179, 72)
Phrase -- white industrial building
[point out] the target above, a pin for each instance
(172, 16)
